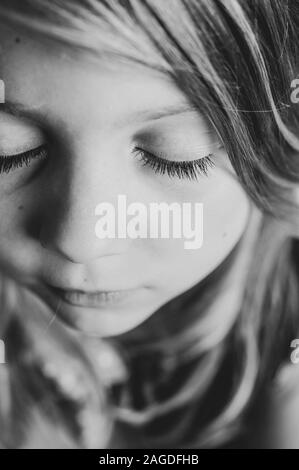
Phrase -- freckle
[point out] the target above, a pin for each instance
(18, 40)
(224, 234)
(20, 208)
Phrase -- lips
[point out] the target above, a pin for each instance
(91, 299)
(101, 313)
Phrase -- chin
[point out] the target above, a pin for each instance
(102, 323)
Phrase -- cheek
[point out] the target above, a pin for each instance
(15, 208)
(225, 215)
(226, 212)
(17, 244)
(226, 209)
(11, 209)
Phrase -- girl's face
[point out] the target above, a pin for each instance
(76, 127)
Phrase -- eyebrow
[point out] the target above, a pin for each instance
(22, 111)
(153, 115)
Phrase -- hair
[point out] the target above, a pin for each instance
(235, 62)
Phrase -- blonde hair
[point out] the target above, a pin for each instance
(235, 64)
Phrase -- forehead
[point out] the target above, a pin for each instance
(46, 76)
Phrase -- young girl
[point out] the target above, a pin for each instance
(139, 342)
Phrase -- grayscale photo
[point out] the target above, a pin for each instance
(149, 227)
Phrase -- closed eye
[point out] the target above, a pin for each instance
(10, 163)
(189, 169)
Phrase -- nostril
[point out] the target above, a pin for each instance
(76, 243)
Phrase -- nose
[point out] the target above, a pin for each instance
(68, 226)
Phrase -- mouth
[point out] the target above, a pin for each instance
(97, 299)
(101, 313)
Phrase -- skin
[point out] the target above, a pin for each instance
(85, 113)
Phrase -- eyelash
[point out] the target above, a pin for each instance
(12, 162)
(180, 169)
